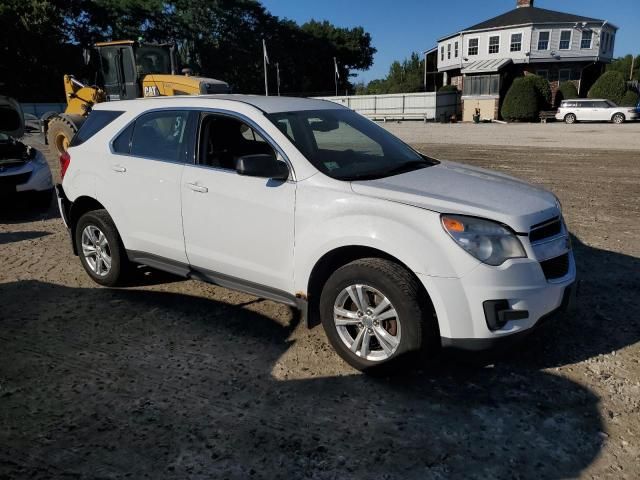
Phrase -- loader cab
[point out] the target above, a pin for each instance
(123, 64)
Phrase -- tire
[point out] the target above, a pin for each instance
(377, 279)
(618, 118)
(570, 118)
(59, 134)
(87, 237)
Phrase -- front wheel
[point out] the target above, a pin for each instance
(372, 313)
(618, 118)
(100, 249)
(570, 118)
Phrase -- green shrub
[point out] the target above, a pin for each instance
(566, 91)
(521, 101)
(447, 89)
(630, 99)
(543, 90)
(611, 86)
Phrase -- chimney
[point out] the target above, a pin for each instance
(525, 3)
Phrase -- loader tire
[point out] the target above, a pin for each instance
(59, 134)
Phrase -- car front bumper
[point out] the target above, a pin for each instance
(521, 285)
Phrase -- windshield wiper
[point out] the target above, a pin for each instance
(407, 167)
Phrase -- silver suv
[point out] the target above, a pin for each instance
(594, 110)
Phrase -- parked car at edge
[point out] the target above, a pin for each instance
(24, 171)
(593, 110)
(308, 203)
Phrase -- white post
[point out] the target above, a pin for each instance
(335, 74)
(278, 76)
(265, 60)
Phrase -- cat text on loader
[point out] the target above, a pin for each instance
(124, 70)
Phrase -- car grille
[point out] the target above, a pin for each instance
(547, 229)
(8, 181)
(556, 267)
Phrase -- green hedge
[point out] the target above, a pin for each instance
(566, 91)
(630, 99)
(543, 91)
(521, 101)
(611, 86)
(447, 89)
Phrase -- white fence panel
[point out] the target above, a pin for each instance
(426, 105)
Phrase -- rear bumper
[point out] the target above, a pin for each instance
(64, 205)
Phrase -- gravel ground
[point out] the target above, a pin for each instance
(603, 136)
(178, 379)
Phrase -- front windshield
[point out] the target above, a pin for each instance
(153, 59)
(344, 145)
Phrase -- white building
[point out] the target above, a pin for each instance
(483, 60)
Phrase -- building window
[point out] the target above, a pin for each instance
(481, 85)
(473, 46)
(449, 51)
(543, 73)
(564, 75)
(456, 49)
(494, 44)
(565, 40)
(442, 53)
(516, 42)
(587, 37)
(543, 40)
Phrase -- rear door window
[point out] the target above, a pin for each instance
(96, 121)
(160, 136)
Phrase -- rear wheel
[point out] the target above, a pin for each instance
(372, 314)
(618, 118)
(59, 134)
(100, 249)
(570, 118)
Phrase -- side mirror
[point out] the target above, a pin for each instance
(262, 165)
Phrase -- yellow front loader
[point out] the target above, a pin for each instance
(125, 70)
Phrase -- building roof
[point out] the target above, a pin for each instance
(527, 16)
(486, 66)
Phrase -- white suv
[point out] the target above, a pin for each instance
(594, 110)
(308, 203)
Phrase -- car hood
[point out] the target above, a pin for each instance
(450, 187)
(11, 117)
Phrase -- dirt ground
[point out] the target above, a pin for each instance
(178, 379)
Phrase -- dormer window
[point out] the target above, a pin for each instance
(587, 38)
(516, 42)
(565, 40)
(494, 44)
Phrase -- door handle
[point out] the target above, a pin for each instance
(118, 168)
(197, 188)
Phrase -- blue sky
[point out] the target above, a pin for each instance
(402, 26)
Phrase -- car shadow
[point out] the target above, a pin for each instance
(10, 237)
(606, 317)
(109, 383)
(19, 209)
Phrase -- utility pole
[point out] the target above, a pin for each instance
(265, 60)
(278, 76)
(336, 74)
(633, 66)
(425, 71)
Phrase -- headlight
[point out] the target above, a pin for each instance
(488, 241)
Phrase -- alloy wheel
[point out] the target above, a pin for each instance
(96, 250)
(367, 323)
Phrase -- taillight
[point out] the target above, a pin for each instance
(65, 160)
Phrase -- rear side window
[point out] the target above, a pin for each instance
(122, 143)
(160, 136)
(96, 121)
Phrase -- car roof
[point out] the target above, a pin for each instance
(273, 104)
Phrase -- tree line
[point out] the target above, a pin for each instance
(43, 39)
